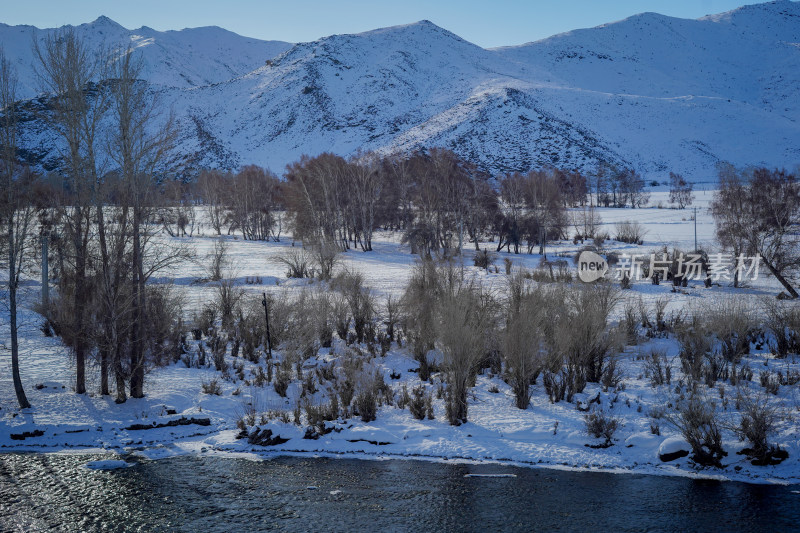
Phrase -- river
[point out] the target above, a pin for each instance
(46, 492)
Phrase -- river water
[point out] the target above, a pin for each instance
(200, 494)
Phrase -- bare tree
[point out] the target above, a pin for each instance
(139, 149)
(367, 187)
(522, 341)
(462, 324)
(255, 199)
(680, 191)
(67, 69)
(213, 187)
(757, 213)
(15, 216)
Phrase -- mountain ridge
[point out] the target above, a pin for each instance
(653, 92)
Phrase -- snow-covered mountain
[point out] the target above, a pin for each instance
(651, 91)
(183, 59)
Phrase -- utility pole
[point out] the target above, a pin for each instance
(543, 241)
(695, 229)
(266, 315)
(460, 235)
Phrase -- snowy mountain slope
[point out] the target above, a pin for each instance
(652, 91)
(659, 93)
(185, 58)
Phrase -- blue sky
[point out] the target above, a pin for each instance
(486, 23)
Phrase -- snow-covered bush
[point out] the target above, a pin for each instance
(758, 419)
(695, 343)
(484, 259)
(418, 308)
(366, 405)
(418, 402)
(283, 376)
(301, 336)
(584, 336)
(211, 387)
(657, 368)
(783, 322)
(769, 381)
(630, 232)
(297, 261)
(360, 301)
(600, 424)
(325, 257)
(318, 414)
(522, 344)
(250, 328)
(217, 260)
(461, 321)
(696, 419)
(731, 322)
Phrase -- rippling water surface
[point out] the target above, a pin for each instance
(199, 494)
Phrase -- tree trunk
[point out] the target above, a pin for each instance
(137, 349)
(79, 304)
(104, 372)
(780, 278)
(12, 298)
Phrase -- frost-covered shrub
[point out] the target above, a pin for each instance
(630, 324)
(418, 402)
(612, 375)
(341, 316)
(325, 256)
(250, 329)
(522, 344)
(418, 311)
(583, 335)
(297, 261)
(508, 264)
(217, 260)
(218, 347)
(318, 414)
(484, 259)
(211, 387)
(783, 322)
(657, 368)
(403, 398)
(695, 345)
(301, 335)
(366, 405)
(359, 300)
(600, 424)
(769, 381)
(631, 232)
(227, 299)
(731, 322)
(461, 321)
(283, 376)
(206, 320)
(696, 419)
(758, 419)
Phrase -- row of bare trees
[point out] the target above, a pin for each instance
(97, 210)
(615, 186)
(250, 201)
(438, 201)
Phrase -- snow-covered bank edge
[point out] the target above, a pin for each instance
(255, 453)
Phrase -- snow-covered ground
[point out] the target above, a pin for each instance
(545, 434)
